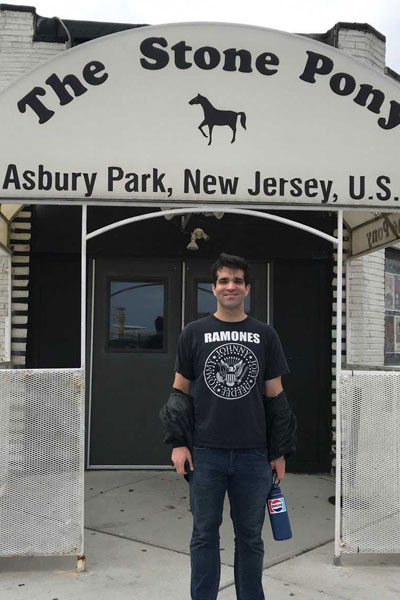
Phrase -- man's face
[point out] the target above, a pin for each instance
(230, 288)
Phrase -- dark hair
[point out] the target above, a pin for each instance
(230, 262)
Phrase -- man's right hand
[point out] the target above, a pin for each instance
(179, 456)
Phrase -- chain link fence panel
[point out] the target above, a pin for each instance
(370, 420)
(41, 462)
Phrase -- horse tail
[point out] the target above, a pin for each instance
(242, 119)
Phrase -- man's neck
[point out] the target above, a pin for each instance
(230, 316)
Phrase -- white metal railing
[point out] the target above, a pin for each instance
(370, 475)
(41, 462)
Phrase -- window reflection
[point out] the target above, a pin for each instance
(392, 307)
(206, 301)
(136, 315)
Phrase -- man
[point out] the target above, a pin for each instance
(231, 360)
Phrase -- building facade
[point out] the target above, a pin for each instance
(145, 282)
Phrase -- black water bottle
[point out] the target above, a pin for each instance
(278, 514)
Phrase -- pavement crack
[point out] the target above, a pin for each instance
(305, 551)
(136, 540)
(283, 560)
(145, 543)
(314, 589)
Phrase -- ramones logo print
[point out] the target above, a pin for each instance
(231, 371)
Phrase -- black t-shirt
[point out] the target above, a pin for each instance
(228, 364)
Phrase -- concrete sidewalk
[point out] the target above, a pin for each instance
(137, 536)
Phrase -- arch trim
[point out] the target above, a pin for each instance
(213, 208)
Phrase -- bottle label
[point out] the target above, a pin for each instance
(276, 505)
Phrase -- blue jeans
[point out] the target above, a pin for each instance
(247, 476)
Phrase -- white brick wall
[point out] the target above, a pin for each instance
(363, 45)
(365, 317)
(366, 310)
(18, 52)
(363, 335)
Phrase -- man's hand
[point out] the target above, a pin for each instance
(179, 456)
(278, 466)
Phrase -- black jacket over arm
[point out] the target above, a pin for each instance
(281, 426)
(177, 418)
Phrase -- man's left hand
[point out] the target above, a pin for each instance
(278, 466)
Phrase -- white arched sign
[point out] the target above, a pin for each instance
(193, 113)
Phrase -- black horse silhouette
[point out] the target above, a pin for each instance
(213, 116)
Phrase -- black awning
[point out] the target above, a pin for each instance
(50, 29)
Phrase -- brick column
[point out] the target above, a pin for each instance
(366, 310)
(19, 53)
(362, 42)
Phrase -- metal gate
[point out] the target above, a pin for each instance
(41, 462)
(370, 490)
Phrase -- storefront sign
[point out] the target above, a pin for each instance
(202, 113)
(375, 235)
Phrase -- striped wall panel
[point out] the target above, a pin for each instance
(346, 241)
(20, 240)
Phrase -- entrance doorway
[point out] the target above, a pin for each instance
(296, 270)
(139, 309)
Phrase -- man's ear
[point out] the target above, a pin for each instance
(247, 289)
(213, 288)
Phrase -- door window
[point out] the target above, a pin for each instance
(136, 316)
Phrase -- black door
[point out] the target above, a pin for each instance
(302, 317)
(136, 325)
(137, 319)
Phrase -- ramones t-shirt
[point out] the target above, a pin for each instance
(228, 364)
